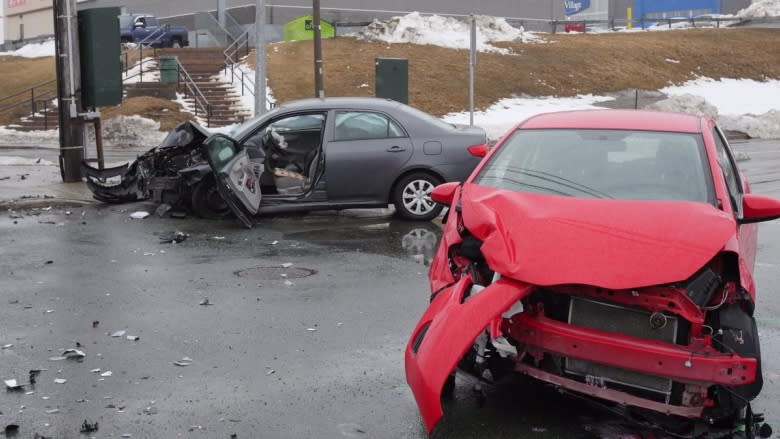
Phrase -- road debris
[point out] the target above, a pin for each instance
(139, 215)
(13, 386)
(118, 333)
(7, 346)
(73, 354)
(288, 283)
(275, 242)
(351, 430)
(107, 373)
(184, 362)
(86, 427)
(151, 410)
(287, 265)
(52, 411)
(270, 372)
(95, 323)
(60, 381)
(174, 237)
(95, 370)
(311, 329)
(133, 337)
(34, 375)
(205, 302)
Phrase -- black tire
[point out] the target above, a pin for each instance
(412, 197)
(206, 201)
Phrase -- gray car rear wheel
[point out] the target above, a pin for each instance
(412, 197)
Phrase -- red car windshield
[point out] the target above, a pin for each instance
(625, 165)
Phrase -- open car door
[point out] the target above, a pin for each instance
(237, 176)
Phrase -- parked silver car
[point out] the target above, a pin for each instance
(312, 154)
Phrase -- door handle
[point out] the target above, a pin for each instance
(396, 148)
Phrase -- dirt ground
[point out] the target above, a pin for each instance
(564, 65)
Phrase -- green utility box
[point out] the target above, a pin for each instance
(392, 79)
(101, 70)
(302, 28)
(169, 69)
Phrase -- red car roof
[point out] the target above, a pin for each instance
(617, 120)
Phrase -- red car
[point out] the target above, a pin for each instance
(608, 253)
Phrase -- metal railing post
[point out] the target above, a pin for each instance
(242, 83)
(32, 100)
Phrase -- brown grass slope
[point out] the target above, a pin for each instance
(564, 66)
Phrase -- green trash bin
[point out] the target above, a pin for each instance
(169, 69)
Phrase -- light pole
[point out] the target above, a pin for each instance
(260, 91)
(319, 90)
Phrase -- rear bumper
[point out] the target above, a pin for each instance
(688, 364)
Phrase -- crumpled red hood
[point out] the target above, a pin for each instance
(614, 244)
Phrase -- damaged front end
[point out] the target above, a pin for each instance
(680, 355)
(166, 173)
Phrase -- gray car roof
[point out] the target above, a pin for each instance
(341, 102)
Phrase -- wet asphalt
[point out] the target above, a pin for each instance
(302, 337)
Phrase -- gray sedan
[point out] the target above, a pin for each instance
(313, 154)
(339, 153)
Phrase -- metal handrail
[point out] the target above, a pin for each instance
(33, 100)
(197, 96)
(247, 83)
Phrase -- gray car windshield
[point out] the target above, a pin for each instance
(627, 165)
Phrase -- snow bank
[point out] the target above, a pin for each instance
(130, 131)
(36, 50)
(751, 107)
(760, 9)
(686, 103)
(733, 96)
(506, 113)
(453, 33)
(39, 138)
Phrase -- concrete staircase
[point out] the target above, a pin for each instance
(202, 64)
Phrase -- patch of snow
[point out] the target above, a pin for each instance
(761, 9)
(130, 131)
(733, 96)
(41, 138)
(23, 161)
(506, 113)
(34, 50)
(764, 126)
(670, 60)
(151, 72)
(686, 103)
(447, 32)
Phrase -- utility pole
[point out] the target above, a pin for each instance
(221, 13)
(260, 91)
(319, 90)
(72, 138)
(472, 67)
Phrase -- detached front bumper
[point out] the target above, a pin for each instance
(120, 184)
(446, 332)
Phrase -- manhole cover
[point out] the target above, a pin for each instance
(274, 273)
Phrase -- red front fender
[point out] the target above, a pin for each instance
(446, 332)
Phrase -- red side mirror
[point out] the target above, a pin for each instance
(444, 193)
(757, 208)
